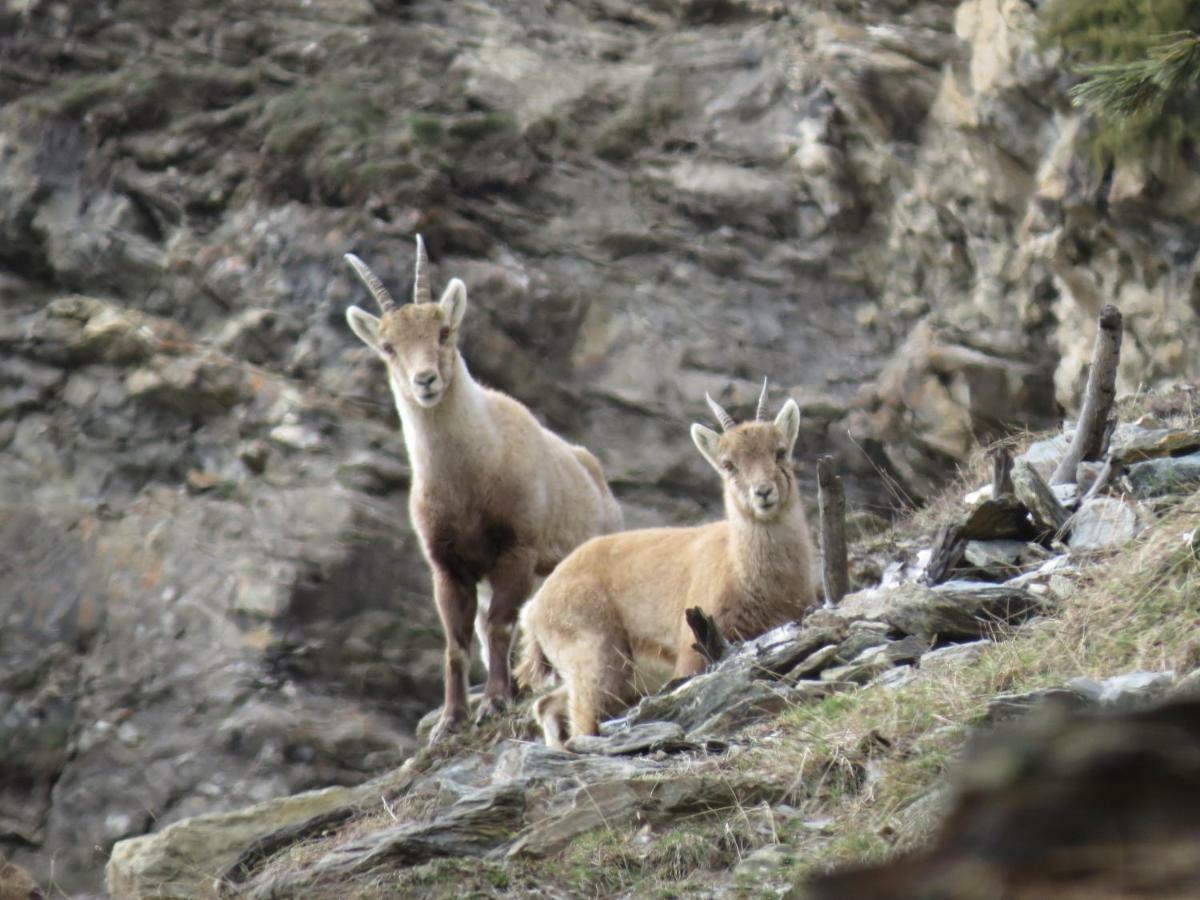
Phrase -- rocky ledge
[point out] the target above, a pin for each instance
(502, 795)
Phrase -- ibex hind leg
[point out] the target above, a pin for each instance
(600, 686)
(550, 711)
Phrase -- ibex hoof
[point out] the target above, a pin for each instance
(490, 708)
(445, 727)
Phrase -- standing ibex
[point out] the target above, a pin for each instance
(495, 496)
(610, 620)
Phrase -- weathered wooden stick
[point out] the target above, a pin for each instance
(1001, 472)
(1048, 514)
(710, 643)
(1090, 432)
(831, 501)
(1102, 479)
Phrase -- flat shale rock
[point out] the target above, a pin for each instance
(874, 661)
(953, 656)
(998, 558)
(814, 663)
(618, 804)
(644, 738)
(1126, 689)
(525, 762)
(183, 859)
(1139, 444)
(473, 826)
(863, 635)
(956, 609)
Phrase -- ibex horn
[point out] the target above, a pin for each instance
(421, 292)
(723, 417)
(762, 402)
(374, 285)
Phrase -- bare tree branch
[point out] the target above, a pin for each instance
(831, 500)
(1092, 429)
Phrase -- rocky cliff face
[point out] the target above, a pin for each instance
(210, 595)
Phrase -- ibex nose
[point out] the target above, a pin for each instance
(764, 491)
(426, 378)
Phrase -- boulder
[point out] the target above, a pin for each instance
(956, 609)
(1058, 805)
(1169, 475)
(1103, 523)
(185, 859)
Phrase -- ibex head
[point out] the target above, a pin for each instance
(754, 459)
(418, 341)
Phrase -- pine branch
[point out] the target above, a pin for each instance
(1141, 87)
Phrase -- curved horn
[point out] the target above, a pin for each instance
(761, 415)
(421, 292)
(723, 417)
(374, 285)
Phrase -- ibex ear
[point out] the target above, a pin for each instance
(706, 441)
(454, 301)
(365, 325)
(788, 421)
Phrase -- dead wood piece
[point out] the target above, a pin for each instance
(1102, 479)
(1048, 514)
(947, 552)
(710, 643)
(1002, 483)
(1091, 433)
(831, 501)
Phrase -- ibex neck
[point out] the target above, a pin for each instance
(769, 555)
(450, 433)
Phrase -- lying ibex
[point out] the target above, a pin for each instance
(495, 496)
(610, 620)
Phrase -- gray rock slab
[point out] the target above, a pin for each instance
(472, 826)
(1103, 523)
(1133, 444)
(953, 656)
(1158, 477)
(1131, 687)
(956, 609)
(814, 663)
(183, 859)
(863, 634)
(617, 804)
(535, 763)
(644, 738)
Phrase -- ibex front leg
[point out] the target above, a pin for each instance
(512, 583)
(456, 601)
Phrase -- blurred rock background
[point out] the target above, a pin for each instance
(208, 591)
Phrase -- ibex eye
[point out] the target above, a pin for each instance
(387, 349)
(780, 454)
(443, 334)
(728, 466)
